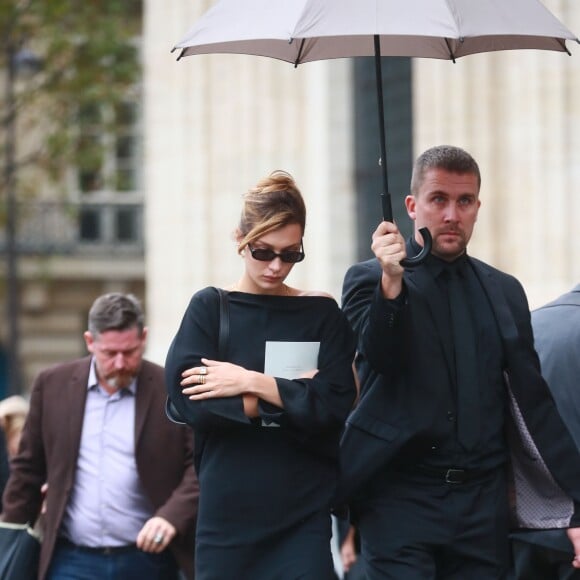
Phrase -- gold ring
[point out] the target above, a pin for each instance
(201, 379)
(203, 371)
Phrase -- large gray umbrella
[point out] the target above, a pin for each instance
(300, 31)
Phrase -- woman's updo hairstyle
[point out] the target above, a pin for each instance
(273, 203)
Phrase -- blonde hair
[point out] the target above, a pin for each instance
(13, 412)
(273, 203)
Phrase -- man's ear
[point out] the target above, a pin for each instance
(89, 341)
(410, 204)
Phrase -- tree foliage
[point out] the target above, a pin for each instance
(69, 57)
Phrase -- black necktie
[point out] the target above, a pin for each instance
(464, 343)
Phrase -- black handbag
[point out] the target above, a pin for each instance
(223, 338)
(19, 552)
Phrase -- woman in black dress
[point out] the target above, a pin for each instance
(268, 416)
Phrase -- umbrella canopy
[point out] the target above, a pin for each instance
(300, 31)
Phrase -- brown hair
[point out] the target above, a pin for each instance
(273, 203)
(446, 157)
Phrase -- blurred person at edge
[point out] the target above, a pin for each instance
(13, 412)
(544, 553)
(121, 491)
(3, 465)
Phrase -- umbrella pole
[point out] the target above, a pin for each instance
(385, 195)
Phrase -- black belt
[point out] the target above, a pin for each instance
(451, 475)
(102, 550)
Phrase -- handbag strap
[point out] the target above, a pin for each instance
(223, 338)
(224, 328)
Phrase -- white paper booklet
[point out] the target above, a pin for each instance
(288, 360)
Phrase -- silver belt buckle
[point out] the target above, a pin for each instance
(454, 476)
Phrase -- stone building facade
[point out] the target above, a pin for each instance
(211, 126)
(215, 124)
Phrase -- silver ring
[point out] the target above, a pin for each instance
(202, 371)
(158, 539)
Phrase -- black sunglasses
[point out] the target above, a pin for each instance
(288, 256)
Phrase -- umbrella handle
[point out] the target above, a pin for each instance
(425, 233)
(422, 255)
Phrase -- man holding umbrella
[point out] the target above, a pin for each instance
(452, 396)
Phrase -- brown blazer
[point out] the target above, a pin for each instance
(50, 445)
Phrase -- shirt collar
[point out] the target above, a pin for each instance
(436, 265)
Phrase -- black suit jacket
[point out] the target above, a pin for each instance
(389, 414)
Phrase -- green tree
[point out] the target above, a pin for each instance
(63, 64)
(68, 57)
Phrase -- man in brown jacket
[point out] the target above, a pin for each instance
(121, 495)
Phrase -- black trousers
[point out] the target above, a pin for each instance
(417, 527)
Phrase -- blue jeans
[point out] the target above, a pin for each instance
(73, 563)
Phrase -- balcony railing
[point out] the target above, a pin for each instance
(77, 228)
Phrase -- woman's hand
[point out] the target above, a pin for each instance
(215, 379)
(218, 379)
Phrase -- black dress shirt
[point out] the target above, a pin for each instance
(438, 446)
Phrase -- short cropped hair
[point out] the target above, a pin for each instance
(446, 157)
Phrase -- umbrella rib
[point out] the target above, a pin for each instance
(297, 61)
(451, 55)
(564, 47)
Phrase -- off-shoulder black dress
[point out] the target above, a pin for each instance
(266, 484)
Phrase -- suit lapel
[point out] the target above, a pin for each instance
(498, 303)
(143, 400)
(76, 399)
